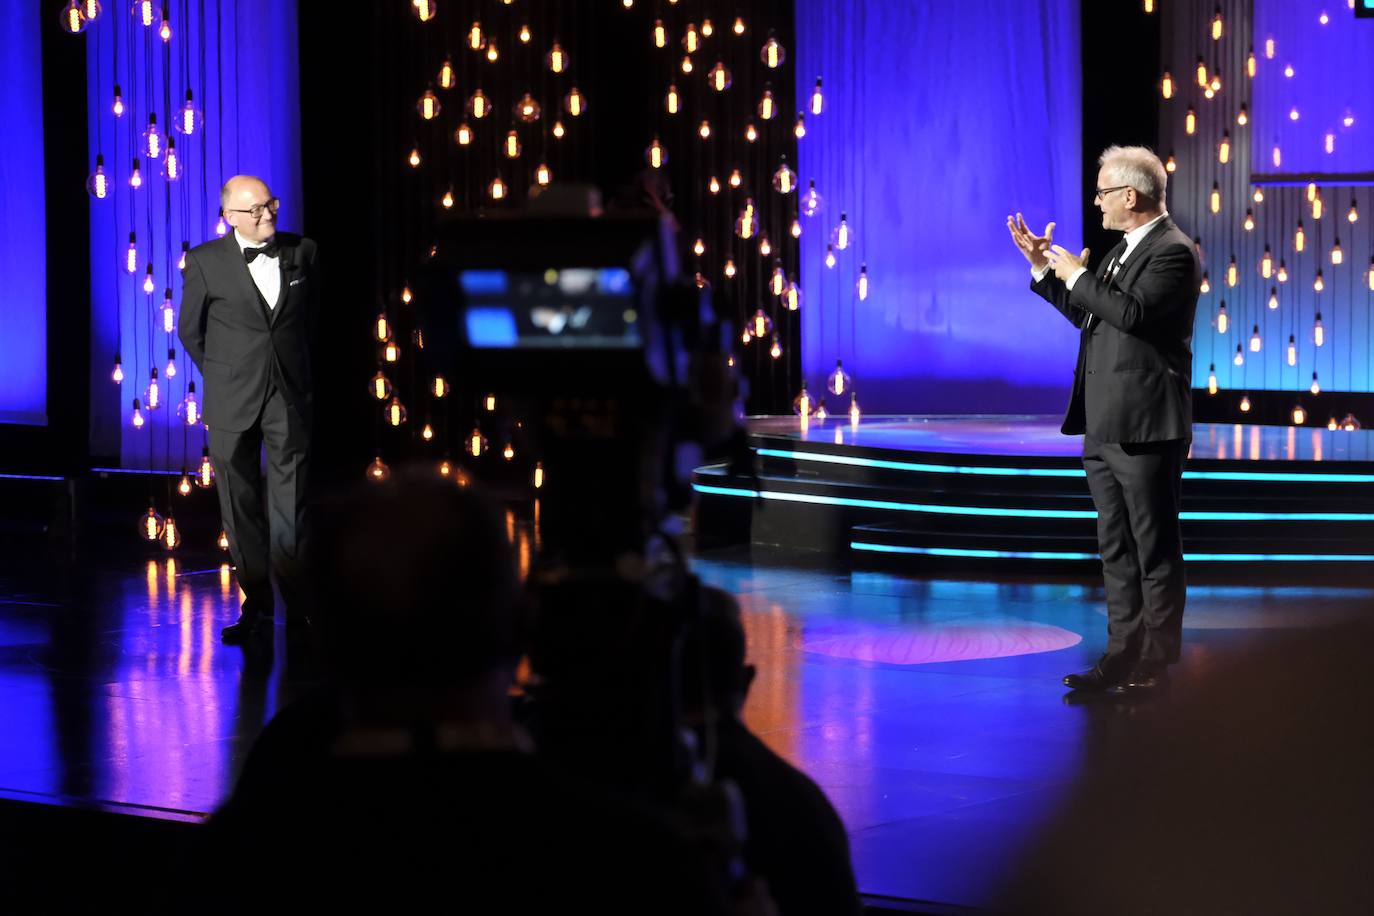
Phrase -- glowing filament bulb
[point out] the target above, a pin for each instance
(777, 282)
(1171, 165)
(761, 324)
(171, 164)
(131, 256)
(165, 32)
(1242, 117)
(524, 34)
(171, 370)
(137, 418)
(660, 34)
(1317, 207)
(527, 109)
(1216, 198)
(1273, 297)
(699, 247)
(656, 155)
(1332, 424)
(766, 107)
(750, 133)
(475, 38)
(153, 394)
(1249, 224)
(414, 158)
(478, 105)
(476, 443)
(463, 135)
(862, 285)
(1370, 275)
(1292, 350)
(1258, 196)
(772, 54)
(424, 9)
(817, 98)
(1283, 272)
(784, 179)
(98, 184)
(1299, 238)
(729, 268)
(735, 179)
(73, 21)
(1318, 284)
(135, 176)
(1232, 273)
(747, 224)
(378, 471)
(802, 404)
(117, 107)
(1190, 122)
(184, 485)
(776, 350)
(497, 188)
(542, 175)
(148, 284)
(447, 199)
(1277, 156)
(221, 227)
(1206, 286)
(1216, 25)
(1337, 256)
(713, 185)
(854, 410)
(512, 147)
(406, 295)
(118, 374)
(1239, 358)
(447, 75)
(1223, 320)
(427, 433)
(704, 130)
(1250, 64)
(395, 412)
(1255, 341)
(493, 54)
(1202, 73)
(830, 256)
(1353, 215)
(708, 28)
(1245, 404)
(791, 296)
(1315, 387)
(538, 475)
(1166, 85)
(1224, 148)
(490, 403)
(765, 247)
(1269, 48)
(1288, 71)
(843, 236)
(191, 406)
(796, 228)
(429, 106)
(672, 101)
(690, 39)
(1212, 379)
(1299, 415)
(381, 328)
(1330, 143)
(575, 102)
(1323, 18)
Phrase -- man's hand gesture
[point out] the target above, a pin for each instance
(1034, 247)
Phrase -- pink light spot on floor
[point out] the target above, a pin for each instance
(925, 644)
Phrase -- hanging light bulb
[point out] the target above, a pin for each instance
(1232, 273)
(1255, 341)
(746, 336)
(862, 285)
(118, 374)
(776, 350)
(1337, 256)
(777, 281)
(98, 183)
(1350, 423)
(699, 247)
(1288, 71)
(656, 155)
(527, 110)
(1315, 388)
(811, 201)
(1166, 85)
(378, 471)
(150, 525)
(476, 443)
(428, 106)
(1299, 238)
(660, 34)
(1277, 156)
(406, 295)
(427, 432)
(463, 135)
(1245, 404)
(391, 352)
(1353, 214)
(718, 77)
(784, 179)
(853, 410)
(761, 325)
(708, 28)
(131, 255)
(171, 370)
(425, 10)
(830, 256)
(1201, 73)
(512, 145)
(750, 132)
(1224, 148)
(1317, 207)
(414, 157)
(223, 542)
(490, 403)
(1171, 165)
(1250, 64)
(1292, 350)
(164, 31)
(1299, 415)
(475, 39)
(799, 126)
(765, 247)
(1206, 286)
(148, 284)
(729, 269)
(1318, 284)
(575, 102)
(796, 228)
(1216, 25)
(747, 223)
(190, 407)
(558, 130)
(478, 105)
(792, 295)
(713, 185)
(766, 108)
(395, 412)
(136, 418)
(1369, 275)
(493, 53)
(803, 405)
(72, 19)
(839, 381)
(735, 179)
(772, 53)
(1267, 263)
(843, 236)
(136, 175)
(497, 188)
(448, 77)
(1318, 332)
(152, 395)
(1223, 320)
(184, 485)
(542, 175)
(525, 34)
(221, 227)
(691, 40)
(1212, 379)
(117, 107)
(1239, 359)
(1332, 425)
(381, 328)
(687, 64)
(1273, 297)
(1216, 198)
(1283, 272)
(672, 101)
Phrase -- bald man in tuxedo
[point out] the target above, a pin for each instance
(250, 305)
(1132, 402)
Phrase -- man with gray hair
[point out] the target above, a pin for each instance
(249, 305)
(1132, 402)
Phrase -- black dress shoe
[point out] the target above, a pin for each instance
(1143, 679)
(246, 630)
(1095, 678)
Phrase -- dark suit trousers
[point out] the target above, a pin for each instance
(256, 544)
(1137, 489)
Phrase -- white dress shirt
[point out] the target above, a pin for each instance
(265, 270)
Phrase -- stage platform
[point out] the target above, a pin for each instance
(960, 492)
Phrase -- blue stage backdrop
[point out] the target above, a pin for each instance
(23, 315)
(939, 120)
(239, 59)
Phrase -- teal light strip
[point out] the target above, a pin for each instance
(998, 512)
(1073, 555)
(855, 461)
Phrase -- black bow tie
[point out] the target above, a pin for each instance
(269, 250)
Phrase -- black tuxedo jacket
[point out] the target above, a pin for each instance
(236, 341)
(1133, 382)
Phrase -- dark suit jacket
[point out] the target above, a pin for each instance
(1133, 382)
(236, 341)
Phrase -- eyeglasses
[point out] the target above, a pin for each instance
(257, 210)
(1103, 192)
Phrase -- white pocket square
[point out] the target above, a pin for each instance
(296, 281)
